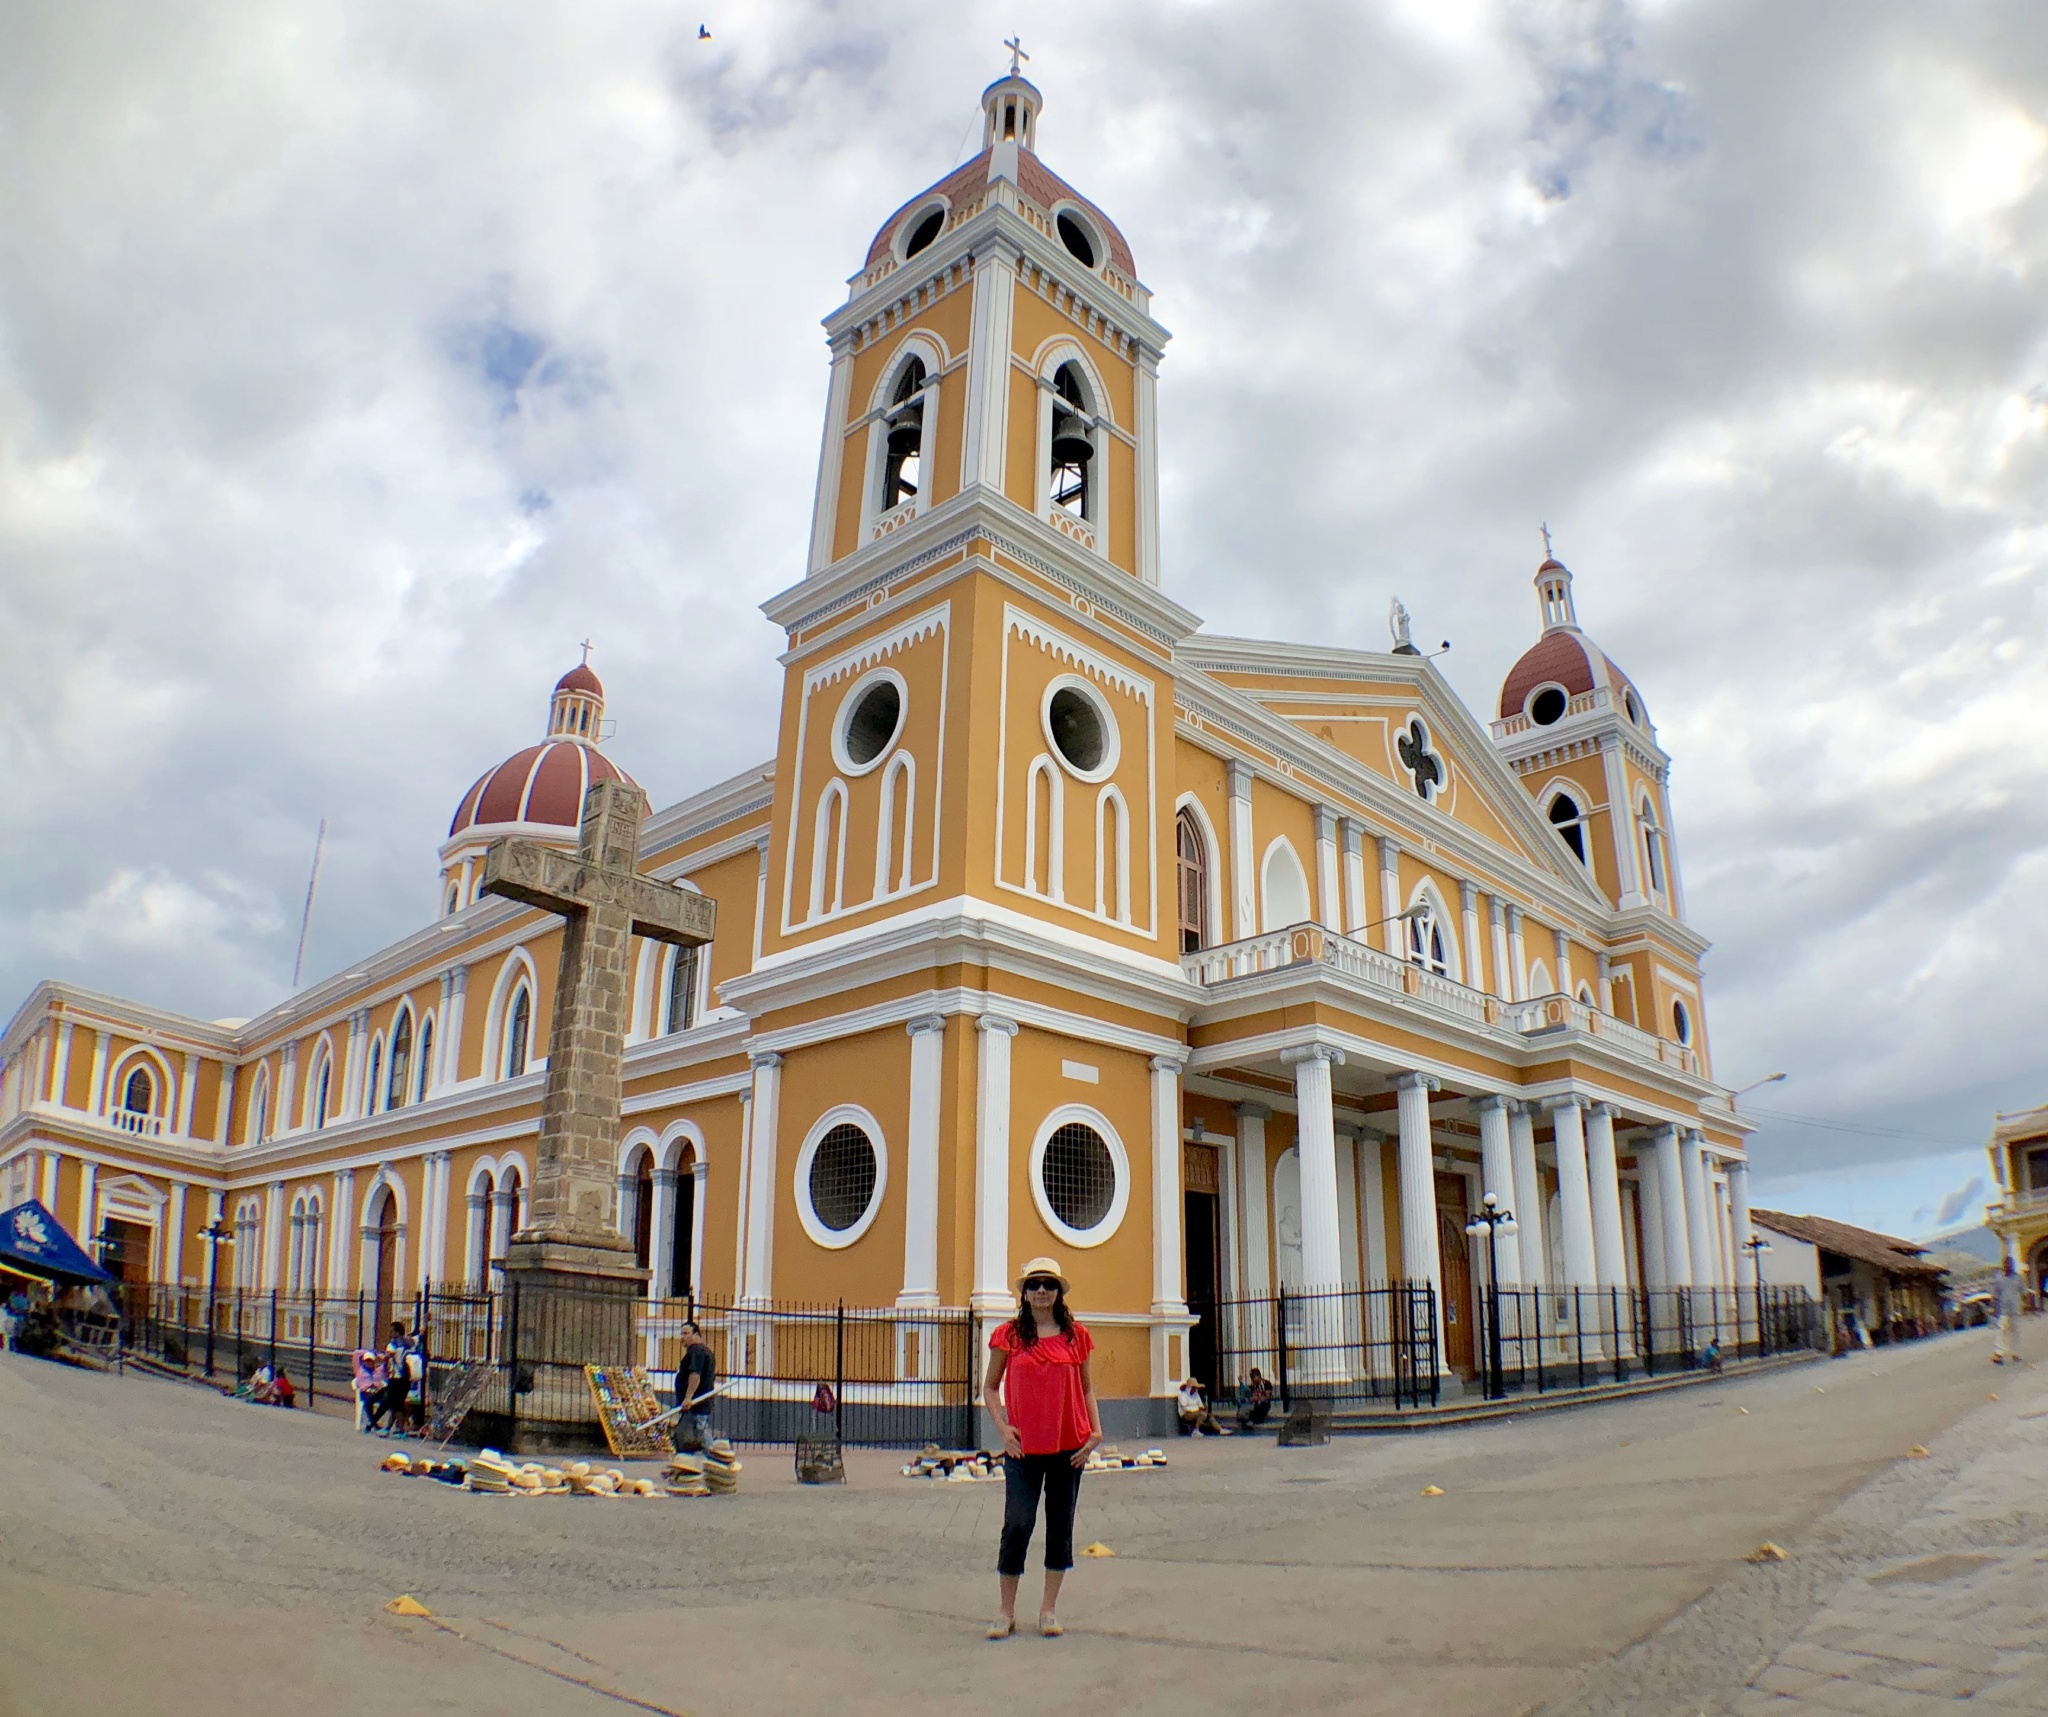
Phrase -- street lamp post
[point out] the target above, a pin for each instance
(1756, 1246)
(1492, 1221)
(217, 1234)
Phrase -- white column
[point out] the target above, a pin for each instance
(761, 1189)
(1347, 1204)
(171, 1245)
(273, 1237)
(1562, 947)
(60, 1077)
(1672, 1196)
(1372, 1198)
(1169, 1278)
(96, 1097)
(1497, 1173)
(1567, 1119)
(700, 1173)
(661, 1236)
(476, 1238)
(992, 1292)
(1255, 1241)
(921, 1165)
(352, 1067)
(1503, 985)
(434, 1234)
(1322, 1254)
(1610, 1256)
(1420, 1260)
(1603, 983)
(1354, 875)
(1656, 1273)
(746, 1181)
(988, 375)
(88, 1190)
(341, 1222)
(1468, 915)
(504, 1221)
(1738, 1210)
(188, 1089)
(1329, 910)
(1621, 825)
(1518, 957)
(48, 1195)
(287, 1085)
(451, 1027)
(225, 1106)
(1531, 1216)
(1699, 1213)
(1244, 882)
(1147, 426)
(1390, 898)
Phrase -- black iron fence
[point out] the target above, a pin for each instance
(885, 1377)
(1534, 1340)
(1367, 1346)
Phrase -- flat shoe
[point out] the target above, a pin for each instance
(1000, 1629)
(1048, 1628)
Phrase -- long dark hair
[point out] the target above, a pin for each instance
(1026, 1321)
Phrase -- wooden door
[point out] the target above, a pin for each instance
(1201, 1251)
(1455, 1251)
(387, 1265)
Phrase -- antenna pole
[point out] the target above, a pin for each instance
(306, 921)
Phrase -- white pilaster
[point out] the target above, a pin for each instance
(1656, 1273)
(992, 1292)
(287, 1087)
(700, 1172)
(1468, 917)
(761, 1192)
(1610, 1255)
(1497, 1175)
(171, 1243)
(1673, 1192)
(434, 1243)
(476, 1239)
(96, 1100)
(921, 1166)
(661, 1236)
(1567, 1119)
(451, 1031)
(52, 1162)
(1352, 837)
(88, 1201)
(1502, 985)
(1603, 985)
(188, 1089)
(1518, 956)
(1329, 909)
(1621, 825)
(1169, 1280)
(1244, 882)
(60, 1075)
(1561, 947)
(746, 1181)
(273, 1237)
(988, 372)
(225, 1107)
(1256, 1239)
(1390, 898)
(825, 508)
(1147, 428)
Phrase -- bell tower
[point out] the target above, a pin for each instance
(996, 349)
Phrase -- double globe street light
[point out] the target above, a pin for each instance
(1492, 1220)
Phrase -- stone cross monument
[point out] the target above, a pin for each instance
(572, 1239)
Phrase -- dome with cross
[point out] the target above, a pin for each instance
(1564, 672)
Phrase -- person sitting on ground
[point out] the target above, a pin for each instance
(1195, 1412)
(282, 1394)
(256, 1386)
(1255, 1403)
(1710, 1355)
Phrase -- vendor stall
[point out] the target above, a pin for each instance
(55, 1296)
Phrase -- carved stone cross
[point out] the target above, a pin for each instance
(605, 902)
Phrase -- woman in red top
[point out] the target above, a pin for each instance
(1040, 1393)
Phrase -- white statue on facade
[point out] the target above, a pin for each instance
(1397, 623)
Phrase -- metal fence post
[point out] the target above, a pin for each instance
(1280, 1340)
(312, 1347)
(839, 1374)
(273, 1332)
(512, 1372)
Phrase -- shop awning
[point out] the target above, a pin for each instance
(35, 1243)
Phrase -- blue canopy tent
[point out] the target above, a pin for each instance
(35, 1243)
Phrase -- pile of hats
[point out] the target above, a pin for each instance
(956, 1466)
(586, 1480)
(491, 1472)
(1109, 1459)
(424, 1467)
(685, 1476)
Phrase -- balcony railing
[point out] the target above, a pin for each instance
(145, 1126)
(1311, 945)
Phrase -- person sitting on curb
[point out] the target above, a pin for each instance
(1195, 1412)
(1255, 1401)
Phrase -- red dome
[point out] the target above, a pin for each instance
(1566, 658)
(581, 679)
(1034, 179)
(542, 784)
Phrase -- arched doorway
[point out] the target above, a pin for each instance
(384, 1261)
(1454, 1251)
(643, 1209)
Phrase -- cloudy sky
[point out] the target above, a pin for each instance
(355, 362)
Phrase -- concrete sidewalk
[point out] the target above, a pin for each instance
(221, 1558)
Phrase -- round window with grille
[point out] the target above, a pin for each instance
(844, 1169)
(1079, 1176)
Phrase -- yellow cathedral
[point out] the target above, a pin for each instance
(1055, 925)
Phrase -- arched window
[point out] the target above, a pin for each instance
(401, 1060)
(138, 1096)
(373, 1087)
(425, 1082)
(1112, 856)
(894, 829)
(828, 851)
(903, 453)
(1193, 856)
(1653, 847)
(643, 1210)
(1570, 823)
(1426, 944)
(1284, 885)
(323, 1089)
(259, 1110)
(1073, 443)
(517, 1030)
(1681, 1022)
(454, 898)
(1045, 831)
(682, 990)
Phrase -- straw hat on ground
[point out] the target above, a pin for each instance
(1044, 1267)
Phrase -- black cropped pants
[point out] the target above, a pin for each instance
(1024, 1476)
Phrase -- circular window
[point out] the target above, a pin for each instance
(839, 1177)
(1546, 708)
(1681, 1023)
(869, 721)
(1080, 1177)
(1080, 727)
(925, 232)
(1077, 239)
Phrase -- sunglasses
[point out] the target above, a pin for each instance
(1041, 1285)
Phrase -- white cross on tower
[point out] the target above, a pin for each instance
(1016, 46)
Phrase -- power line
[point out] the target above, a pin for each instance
(1858, 1127)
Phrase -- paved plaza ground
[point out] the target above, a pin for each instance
(166, 1550)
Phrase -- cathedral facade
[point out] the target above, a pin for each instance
(1055, 924)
